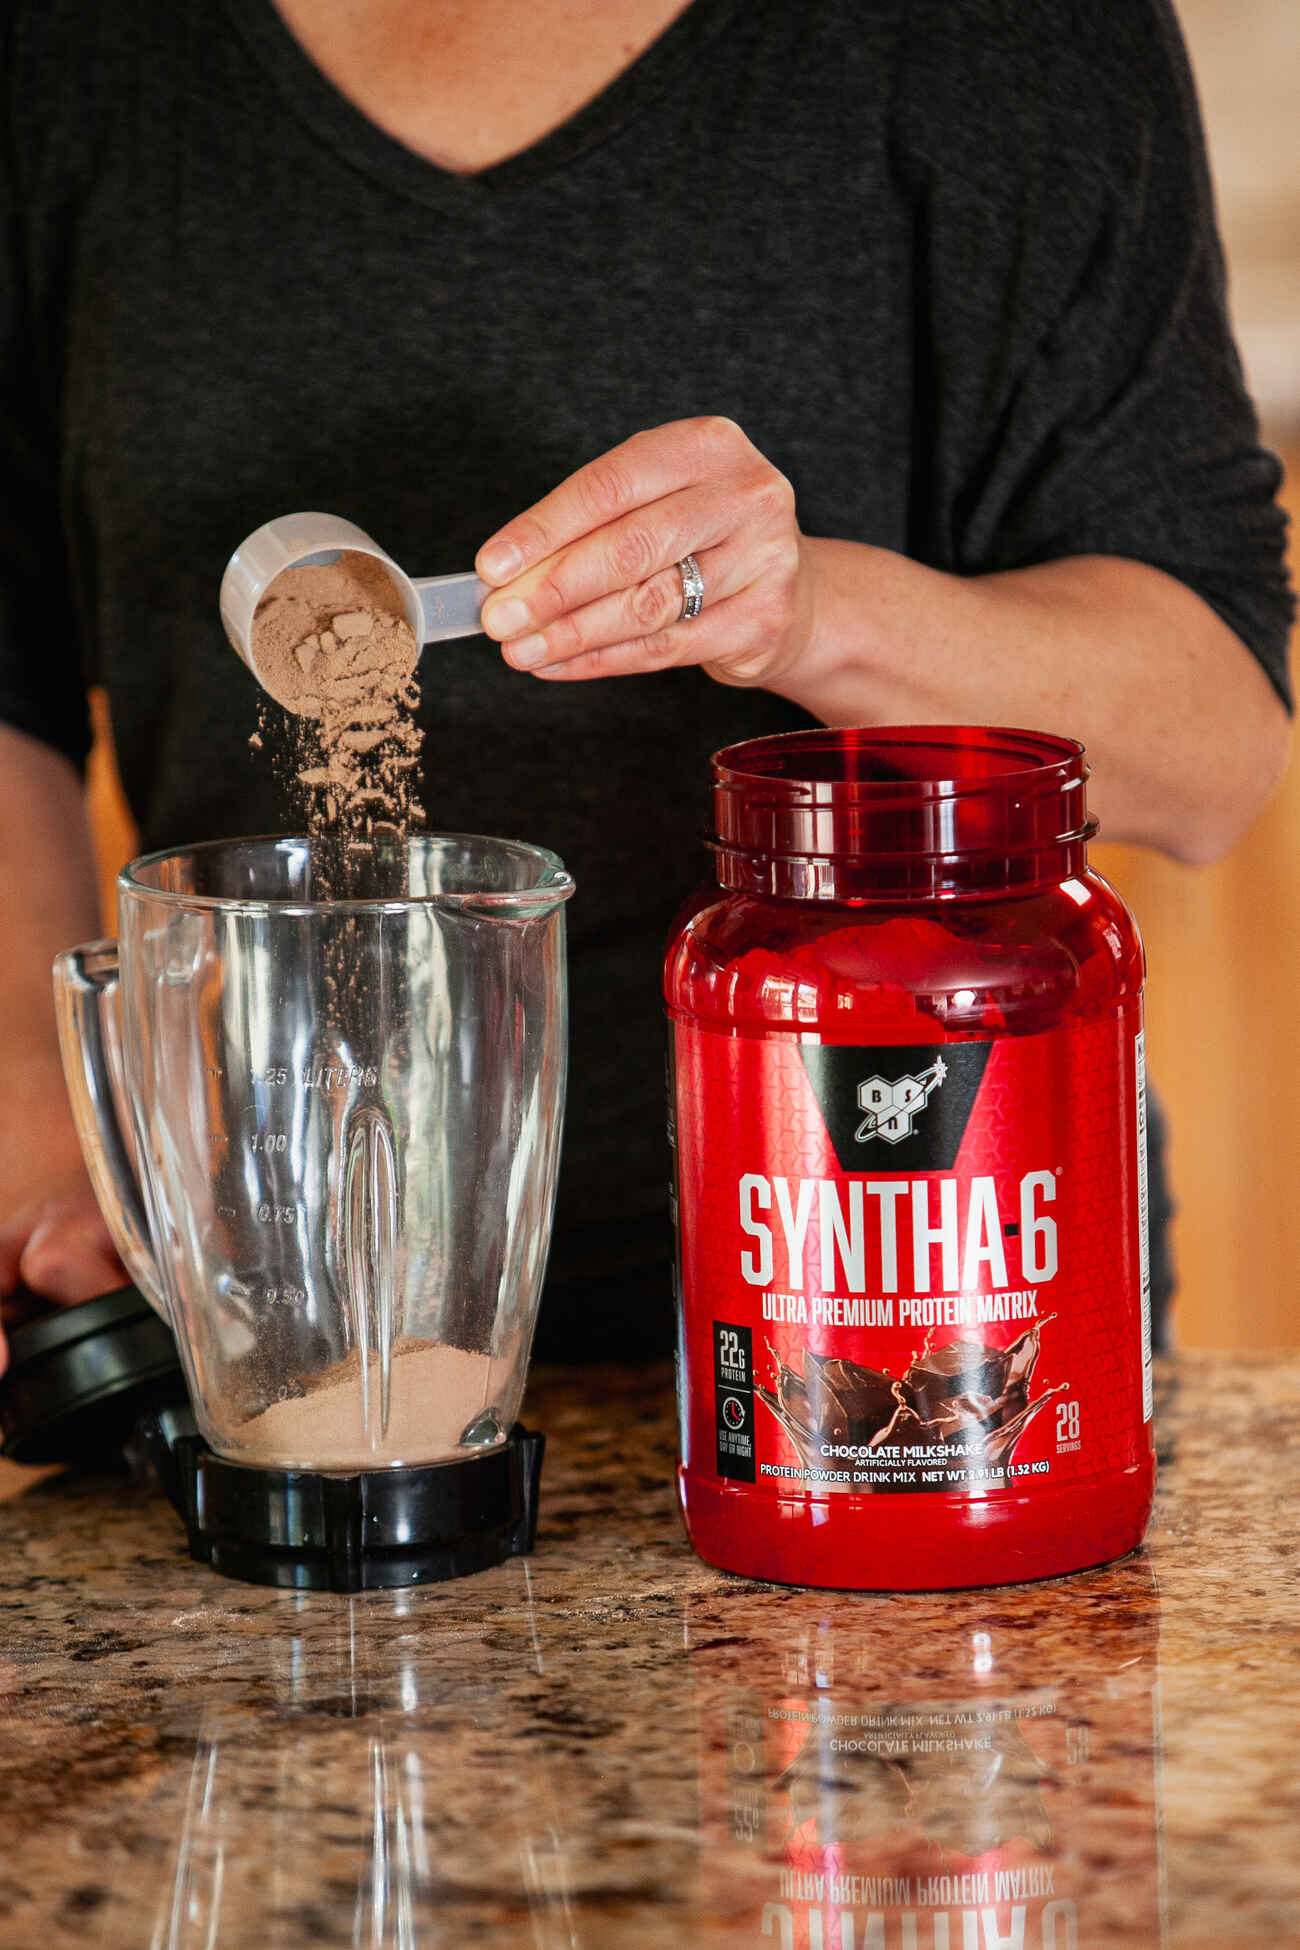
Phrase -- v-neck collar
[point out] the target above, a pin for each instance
(336, 120)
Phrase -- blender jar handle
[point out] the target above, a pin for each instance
(86, 1005)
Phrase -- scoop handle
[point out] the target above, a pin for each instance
(450, 605)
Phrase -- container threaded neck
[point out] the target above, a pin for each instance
(898, 812)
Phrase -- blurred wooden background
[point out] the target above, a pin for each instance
(1223, 978)
(1223, 943)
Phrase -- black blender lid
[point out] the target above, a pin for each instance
(80, 1377)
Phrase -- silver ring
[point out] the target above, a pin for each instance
(692, 588)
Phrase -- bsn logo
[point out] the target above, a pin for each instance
(891, 1107)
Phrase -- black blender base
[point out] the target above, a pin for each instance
(84, 1381)
(307, 1531)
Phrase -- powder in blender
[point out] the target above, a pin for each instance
(436, 1394)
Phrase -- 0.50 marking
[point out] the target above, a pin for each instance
(282, 1296)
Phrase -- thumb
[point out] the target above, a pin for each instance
(69, 1255)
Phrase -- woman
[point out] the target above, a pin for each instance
(903, 324)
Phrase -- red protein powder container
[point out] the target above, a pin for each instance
(908, 1112)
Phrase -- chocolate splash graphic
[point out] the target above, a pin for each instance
(962, 1393)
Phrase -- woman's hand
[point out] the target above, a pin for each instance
(58, 1248)
(586, 582)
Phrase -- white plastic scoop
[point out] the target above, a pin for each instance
(437, 608)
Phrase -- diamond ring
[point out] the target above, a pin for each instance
(692, 588)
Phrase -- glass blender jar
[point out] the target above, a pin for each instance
(319, 1086)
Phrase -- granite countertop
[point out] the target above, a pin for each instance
(609, 1745)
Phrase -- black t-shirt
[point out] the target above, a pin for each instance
(951, 264)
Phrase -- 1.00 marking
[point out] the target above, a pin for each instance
(268, 1141)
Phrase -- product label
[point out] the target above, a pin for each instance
(911, 1267)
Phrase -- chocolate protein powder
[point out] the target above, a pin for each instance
(436, 1394)
(333, 647)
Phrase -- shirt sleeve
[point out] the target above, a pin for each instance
(42, 691)
(1079, 391)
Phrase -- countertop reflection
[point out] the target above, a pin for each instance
(610, 1746)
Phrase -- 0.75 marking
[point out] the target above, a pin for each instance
(277, 1215)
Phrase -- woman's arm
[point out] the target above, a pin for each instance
(1186, 735)
(51, 1236)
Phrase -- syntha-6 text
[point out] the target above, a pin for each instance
(957, 1234)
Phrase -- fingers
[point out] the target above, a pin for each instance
(619, 557)
(643, 469)
(13, 1237)
(649, 613)
(69, 1261)
(595, 587)
(642, 610)
(60, 1248)
(729, 635)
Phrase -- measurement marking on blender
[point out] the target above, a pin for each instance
(283, 1296)
(335, 1076)
(268, 1141)
(278, 1215)
(317, 1076)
